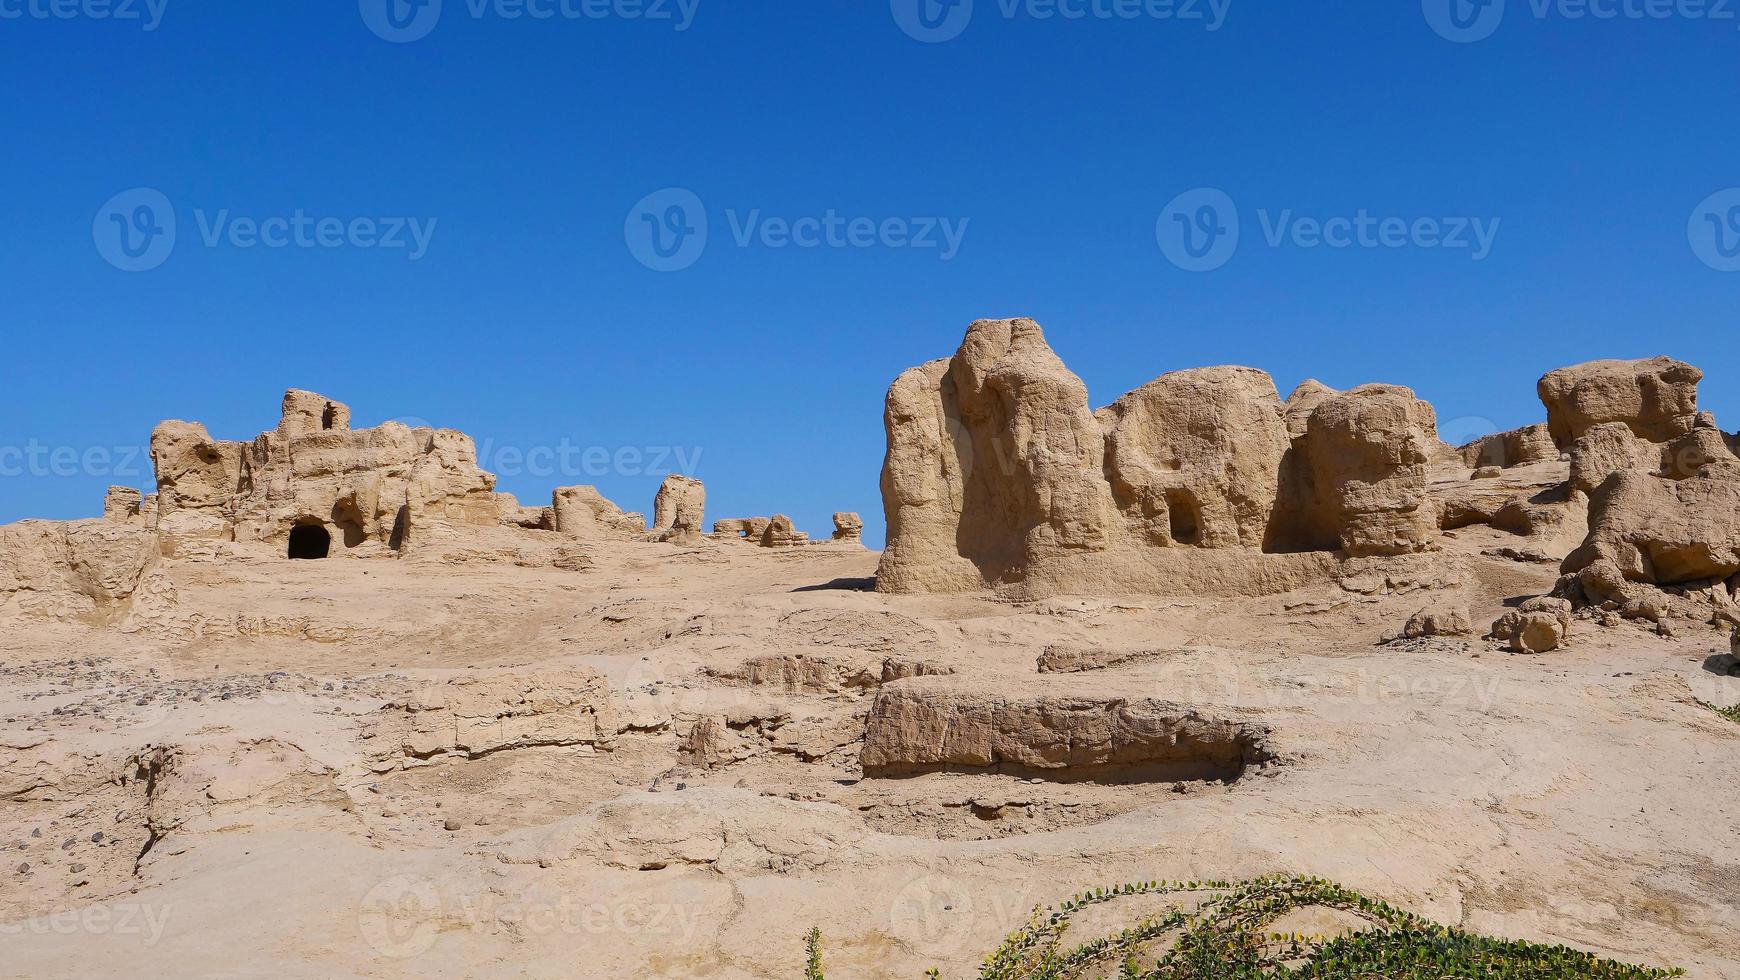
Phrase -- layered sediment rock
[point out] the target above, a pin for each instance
(72, 567)
(475, 716)
(936, 724)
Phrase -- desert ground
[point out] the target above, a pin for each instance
(202, 798)
(501, 747)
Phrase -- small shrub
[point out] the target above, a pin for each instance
(1732, 714)
(1227, 937)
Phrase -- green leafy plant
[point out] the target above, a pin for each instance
(1732, 714)
(813, 947)
(1227, 936)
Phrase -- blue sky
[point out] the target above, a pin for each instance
(1059, 152)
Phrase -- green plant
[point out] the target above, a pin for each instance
(1227, 936)
(813, 947)
(1732, 714)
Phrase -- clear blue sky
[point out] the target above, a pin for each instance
(531, 322)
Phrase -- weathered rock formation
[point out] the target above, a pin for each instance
(1655, 485)
(1518, 447)
(780, 533)
(1647, 533)
(531, 518)
(349, 488)
(122, 504)
(1442, 619)
(744, 528)
(1194, 457)
(938, 724)
(678, 510)
(999, 476)
(848, 528)
(1539, 625)
(583, 512)
(1657, 398)
(475, 716)
(72, 567)
(1364, 475)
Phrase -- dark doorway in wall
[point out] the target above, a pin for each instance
(309, 541)
(328, 417)
(1186, 523)
(401, 529)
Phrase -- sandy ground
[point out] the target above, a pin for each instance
(198, 795)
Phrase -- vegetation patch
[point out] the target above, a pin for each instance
(1228, 936)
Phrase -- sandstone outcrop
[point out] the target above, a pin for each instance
(937, 724)
(848, 528)
(1443, 619)
(1194, 457)
(583, 512)
(745, 528)
(1605, 449)
(1539, 625)
(1364, 468)
(678, 510)
(470, 717)
(1518, 447)
(1648, 533)
(780, 533)
(1656, 398)
(999, 476)
(350, 488)
(72, 567)
(531, 518)
(122, 504)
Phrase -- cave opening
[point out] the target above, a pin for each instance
(1185, 523)
(310, 542)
